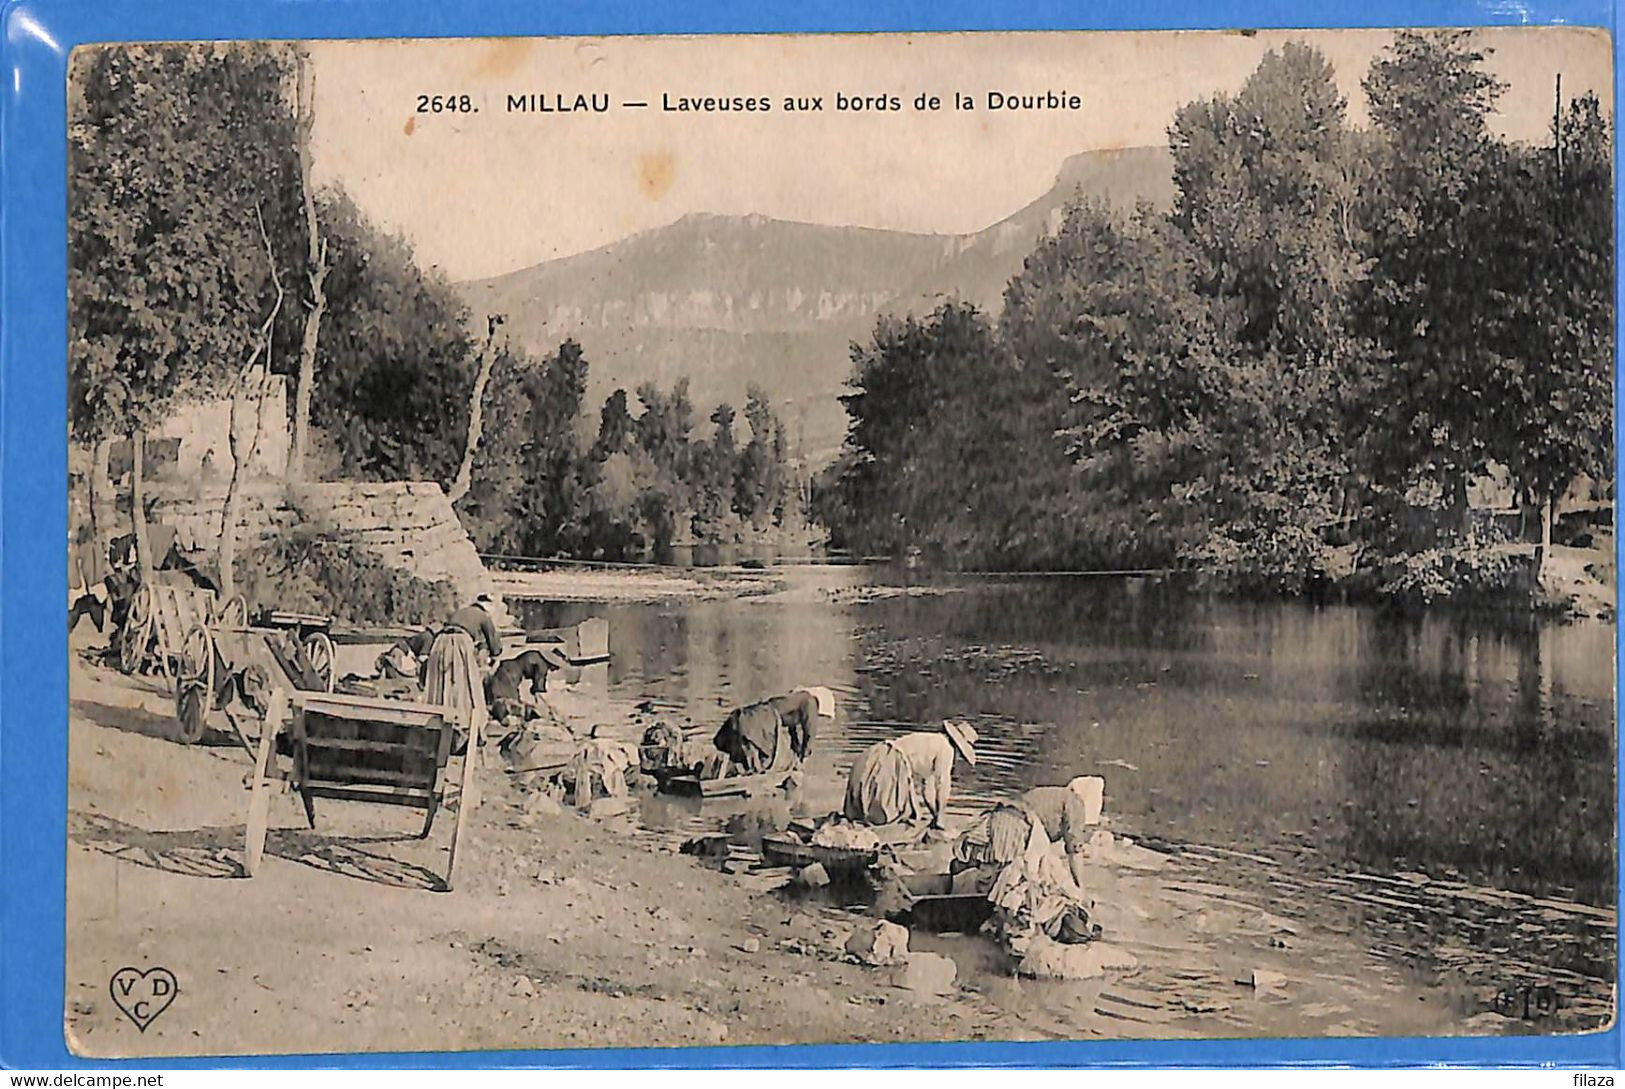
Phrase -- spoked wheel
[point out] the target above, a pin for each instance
(322, 657)
(195, 683)
(232, 613)
(138, 631)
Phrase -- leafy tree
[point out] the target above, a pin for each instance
(614, 427)
(1108, 307)
(315, 270)
(1264, 187)
(713, 466)
(1427, 410)
(494, 509)
(1549, 334)
(554, 469)
(757, 483)
(664, 428)
(397, 357)
(946, 392)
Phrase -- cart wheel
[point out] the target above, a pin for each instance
(192, 712)
(232, 613)
(319, 651)
(137, 633)
(195, 683)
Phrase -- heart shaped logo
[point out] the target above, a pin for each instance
(143, 995)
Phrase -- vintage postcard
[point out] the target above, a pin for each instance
(694, 541)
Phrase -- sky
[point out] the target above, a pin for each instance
(483, 193)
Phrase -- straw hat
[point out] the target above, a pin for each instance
(825, 699)
(963, 737)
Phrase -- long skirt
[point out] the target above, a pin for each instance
(454, 681)
(881, 788)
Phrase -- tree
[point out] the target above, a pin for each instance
(553, 454)
(247, 396)
(1547, 219)
(614, 427)
(1427, 410)
(1109, 308)
(1267, 184)
(664, 427)
(171, 151)
(712, 468)
(946, 391)
(396, 358)
(494, 510)
(316, 268)
(476, 411)
(758, 478)
(1264, 187)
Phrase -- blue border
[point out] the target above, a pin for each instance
(38, 36)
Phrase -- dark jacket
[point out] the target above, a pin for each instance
(418, 644)
(510, 676)
(750, 735)
(479, 625)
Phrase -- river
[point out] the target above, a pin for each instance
(1434, 793)
(1482, 748)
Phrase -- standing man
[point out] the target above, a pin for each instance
(908, 778)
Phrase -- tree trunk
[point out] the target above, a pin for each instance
(1544, 550)
(476, 415)
(145, 560)
(1461, 510)
(249, 390)
(317, 254)
(251, 386)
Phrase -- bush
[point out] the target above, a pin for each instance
(306, 573)
(1472, 571)
(1287, 561)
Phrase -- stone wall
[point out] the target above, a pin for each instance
(194, 441)
(410, 524)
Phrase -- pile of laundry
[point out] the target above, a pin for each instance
(574, 771)
(839, 832)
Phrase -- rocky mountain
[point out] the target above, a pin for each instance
(729, 300)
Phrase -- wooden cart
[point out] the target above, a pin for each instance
(225, 668)
(361, 749)
(162, 612)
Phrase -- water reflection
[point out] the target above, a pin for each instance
(1437, 743)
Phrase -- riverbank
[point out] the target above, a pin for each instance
(1575, 583)
(568, 932)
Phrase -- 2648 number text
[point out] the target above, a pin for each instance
(446, 104)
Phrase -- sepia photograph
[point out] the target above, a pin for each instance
(670, 542)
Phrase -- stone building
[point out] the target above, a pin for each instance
(194, 442)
